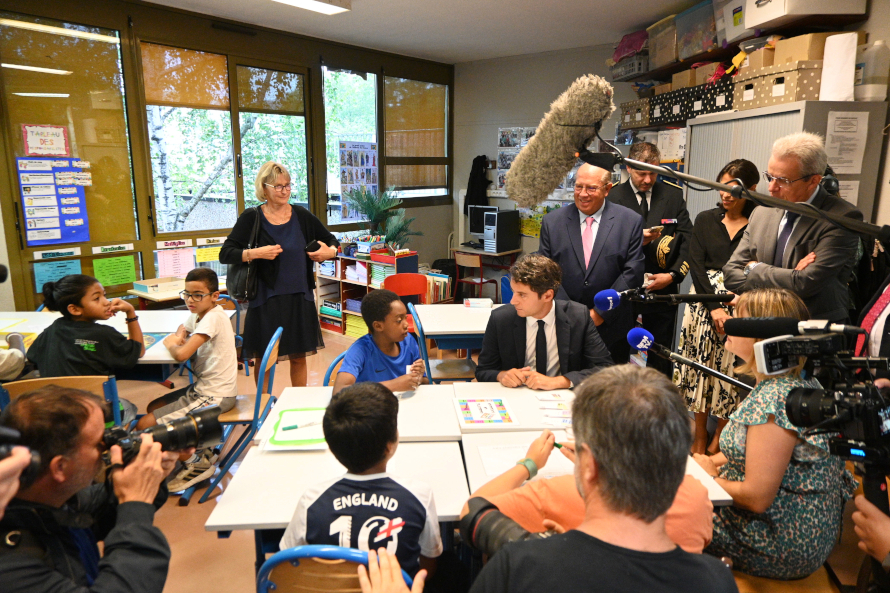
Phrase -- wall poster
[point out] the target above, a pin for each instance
(53, 201)
(358, 168)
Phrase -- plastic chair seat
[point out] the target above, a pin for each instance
(243, 410)
(453, 369)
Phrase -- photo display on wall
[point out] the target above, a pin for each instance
(53, 202)
(358, 168)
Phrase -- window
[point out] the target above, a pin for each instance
(190, 134)
(273, 128)
(350, 109)
(416, 133)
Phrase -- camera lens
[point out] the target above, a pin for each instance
(198, 429)
(807, 407)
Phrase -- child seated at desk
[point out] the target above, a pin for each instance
(367, 508)
(208, 340)
(75, 345)
(388, 354)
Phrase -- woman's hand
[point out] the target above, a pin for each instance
(706, 464)
(719, 316)
(873, 529)
(267, 252)
(323, 252)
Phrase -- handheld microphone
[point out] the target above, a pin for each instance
(641, 339)
(770, 327)
(574, 119)
(609, 299)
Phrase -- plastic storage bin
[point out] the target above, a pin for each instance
(662, 43)
(696, 30)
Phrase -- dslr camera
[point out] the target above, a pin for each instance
(197, 429)
(9, 438)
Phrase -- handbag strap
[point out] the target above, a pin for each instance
(256, 230)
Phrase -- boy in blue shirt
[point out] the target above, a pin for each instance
(388, 354)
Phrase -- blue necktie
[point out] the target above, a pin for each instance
(790, 217)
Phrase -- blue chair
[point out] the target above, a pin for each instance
(330, 371)
(106, 385)
(453, 369)
(506, 291)
(314, 568)
(41, 307)
(239, 340)
(249, 411)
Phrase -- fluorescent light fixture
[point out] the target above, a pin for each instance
(323, 6)
(58, 31)
(36, 69)
(51, 95)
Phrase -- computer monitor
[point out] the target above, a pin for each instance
(477, 219)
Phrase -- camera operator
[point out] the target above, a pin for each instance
(871, 524)
(49, 533)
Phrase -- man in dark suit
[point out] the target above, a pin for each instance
(661, 205)
(808, 256)
(598, 245)
(536, 341)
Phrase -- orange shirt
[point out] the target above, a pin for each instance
(689, 521)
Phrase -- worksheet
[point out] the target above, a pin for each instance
(494, 411)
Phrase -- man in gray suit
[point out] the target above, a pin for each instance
(808, 256)
(598, 245)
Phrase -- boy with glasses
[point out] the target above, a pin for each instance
(208, 342)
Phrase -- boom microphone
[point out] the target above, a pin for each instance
(573, 120)
(770, 327)
(609, 299)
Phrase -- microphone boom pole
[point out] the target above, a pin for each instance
(670, 355)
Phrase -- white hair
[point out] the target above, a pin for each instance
(807, 148)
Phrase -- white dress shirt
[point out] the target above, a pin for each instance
(597, 217)
(648, 195)
(785, 217)
(531, 336)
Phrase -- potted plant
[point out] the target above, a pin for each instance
(381, 214)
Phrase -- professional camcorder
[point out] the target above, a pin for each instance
(9, 438)
(487, 529)
(197, 429)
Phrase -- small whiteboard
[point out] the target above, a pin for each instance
(310, 438)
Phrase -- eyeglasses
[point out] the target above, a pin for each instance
(279, 187)
(195, 296)
(590, 189)
(781, 180)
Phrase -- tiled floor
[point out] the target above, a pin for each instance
(203, 563)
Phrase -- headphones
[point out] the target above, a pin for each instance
(830, 183)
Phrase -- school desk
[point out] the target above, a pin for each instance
(522, 404)
(454, 327)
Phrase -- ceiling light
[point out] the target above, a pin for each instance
(322, 6)
(58, 31)
(52, 95)
(36, 69)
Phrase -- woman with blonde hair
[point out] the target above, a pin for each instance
(284, 269)
(788, 492)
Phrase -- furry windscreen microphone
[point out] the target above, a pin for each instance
(550, 153)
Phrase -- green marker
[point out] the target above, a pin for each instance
(557, 445)
(306, 425)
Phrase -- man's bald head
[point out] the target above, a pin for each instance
(602, 176)
(592, 185)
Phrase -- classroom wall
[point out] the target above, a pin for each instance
(516, 91)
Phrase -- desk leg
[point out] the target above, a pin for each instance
(142, 305)
(266, 541)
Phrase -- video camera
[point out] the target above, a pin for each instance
(9, 438)
(196, 429)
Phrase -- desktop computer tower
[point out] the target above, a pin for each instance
(501, 231)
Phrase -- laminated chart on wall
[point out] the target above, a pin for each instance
(52, 271)
(530, 218)
(113, 271)
(175, 262)
(358, 168)
(483, 411)
(53, 201)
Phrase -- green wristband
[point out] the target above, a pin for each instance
(530, 465)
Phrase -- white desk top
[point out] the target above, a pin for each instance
(427, 415)
(265, 490)
(521, 402)
(161, 322)
(453, 319)
(478, 476)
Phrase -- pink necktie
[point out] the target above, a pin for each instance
(587, 240)
(869, 322)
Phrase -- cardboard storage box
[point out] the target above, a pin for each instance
(718, 96)
(635, 114)
(663, 88)
(806, 47)
(682, 80)
(670, 107)
(759, 59)
(168, 284)
(729, 16)
(771, 14)
(662, 43)
(704, 73)
(777, 84)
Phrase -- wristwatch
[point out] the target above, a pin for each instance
(530, 466)
(750, 267)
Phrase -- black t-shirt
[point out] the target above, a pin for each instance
(68, 348)
(579, 562)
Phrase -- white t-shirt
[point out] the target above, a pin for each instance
(215, 364)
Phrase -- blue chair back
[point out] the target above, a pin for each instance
(290, 560)
(226, 297)
(88, 383)
(421, 341)
(266, 366)
(506, 291)
(41, 307)
(333, 365)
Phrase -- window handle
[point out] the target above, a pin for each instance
(240, 172)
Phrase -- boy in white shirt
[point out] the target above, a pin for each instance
(208, 342)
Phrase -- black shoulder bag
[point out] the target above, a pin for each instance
(241, 279)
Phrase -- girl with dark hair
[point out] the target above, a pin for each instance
(75, 344)
(715, 236)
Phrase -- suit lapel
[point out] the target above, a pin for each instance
(519, 340)
(563, 333)
(656, 208)
(766, 251)
(573, 229)
(800, 229)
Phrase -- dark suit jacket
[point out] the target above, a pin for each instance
(885, 339)
(823, 284)
(666, 203)
(616, 260)
(581, 350)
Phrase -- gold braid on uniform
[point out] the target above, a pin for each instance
(663, 250)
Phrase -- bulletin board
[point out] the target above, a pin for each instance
(53, 201)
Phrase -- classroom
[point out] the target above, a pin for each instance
(157, 150)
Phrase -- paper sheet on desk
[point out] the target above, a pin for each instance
(310, 438)
(496, 459)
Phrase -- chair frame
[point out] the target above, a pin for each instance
(239, 340)
(270, 359)
(332, 366)
(424, 353)
(477, 282)
(293, 556)
(86, 382)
